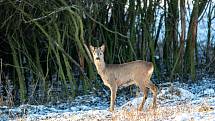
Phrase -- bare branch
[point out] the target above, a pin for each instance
(88, 52)
(53, 12)
(115, 32)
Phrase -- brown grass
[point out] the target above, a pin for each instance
(161, 113)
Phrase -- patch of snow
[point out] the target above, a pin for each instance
(209, 92)
(174, 93)
(183, 117)
(133, 104)
(185, 94)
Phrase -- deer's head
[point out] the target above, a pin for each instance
(98, 53)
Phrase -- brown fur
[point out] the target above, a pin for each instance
(121, 75)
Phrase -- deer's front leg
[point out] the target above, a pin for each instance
(113, 89)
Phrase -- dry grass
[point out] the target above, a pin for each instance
(161, 113)
(205, 108)
(132, 114)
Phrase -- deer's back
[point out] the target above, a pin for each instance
(131, 71)
(138, 65)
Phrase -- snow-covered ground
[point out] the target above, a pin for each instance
(176, 102)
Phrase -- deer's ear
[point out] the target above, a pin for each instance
(103, 47)
(91, 48)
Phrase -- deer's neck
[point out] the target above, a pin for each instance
(100, 66)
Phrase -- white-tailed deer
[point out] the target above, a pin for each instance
(121, 75)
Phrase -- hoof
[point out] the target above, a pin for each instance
(111, 110)
(140, 108)
(154, 106)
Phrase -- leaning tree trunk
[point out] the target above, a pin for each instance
(190, 60)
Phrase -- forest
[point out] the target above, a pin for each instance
(43, 57)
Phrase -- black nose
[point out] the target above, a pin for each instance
(97, 58)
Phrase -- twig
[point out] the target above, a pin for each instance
(53, 12)
(68, 56)
(0, 69)
(209, 64)
(68, 7)
(88, 52)
(115, 32)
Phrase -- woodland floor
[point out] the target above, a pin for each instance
(179, 102)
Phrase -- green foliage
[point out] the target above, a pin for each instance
(46, 41)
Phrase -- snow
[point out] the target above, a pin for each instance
(209, 92)
(183, 117)
(176, 102)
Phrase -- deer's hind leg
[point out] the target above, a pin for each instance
(154, 90)
(145, 92)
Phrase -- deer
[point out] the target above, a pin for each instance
(122, 75)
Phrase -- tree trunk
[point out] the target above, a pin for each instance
(190, 60)
(209, 32)
(183, 30)
(170, 41)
